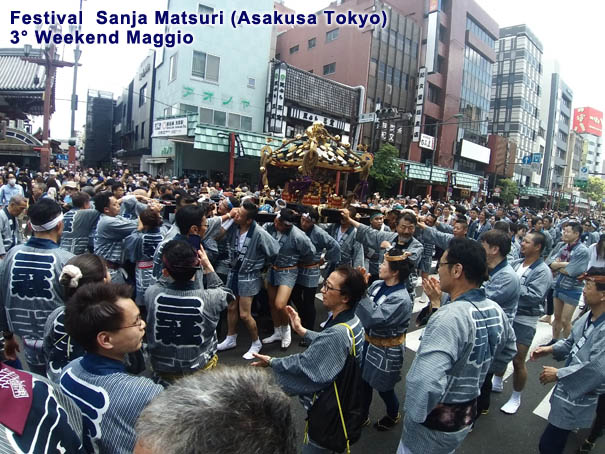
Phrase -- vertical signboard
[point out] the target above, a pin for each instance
(432, 41)
(278, 90)
(419, 104)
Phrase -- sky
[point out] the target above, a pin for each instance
(571, 33)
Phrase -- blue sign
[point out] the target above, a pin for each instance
(526, 160)
(537, 157)
(62, 157)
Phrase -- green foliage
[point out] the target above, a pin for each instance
(509, 190)
(595, 190)
(386, 171)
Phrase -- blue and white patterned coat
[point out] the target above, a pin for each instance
(582, 379)
(462, 341)
(578, 263)
(504, 288)
(385, 316)
(246, 266)
(140, 248)
(77, 228)
(309, 277)
(181, 324)
(111, 231)
(110, 399)
(30, 291)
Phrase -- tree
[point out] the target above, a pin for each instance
(386, 170)
(595, 189)
(509, 190)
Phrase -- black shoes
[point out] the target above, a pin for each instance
(387, 423)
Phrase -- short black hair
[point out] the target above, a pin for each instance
(403, 267)
(184, 200)
(150, 218)
(471, 255)
(102, 201)
(475, 209)
(43, 211)
(80, 199)
(575, 226)
(287, 215)
(539, 239)
(115, 185)
(461, 220)
(92, 309)
(180, 260)
(250, 208)
(189, 216)
(353, 286)
(502, 226)
(460, 209)
(496, 237)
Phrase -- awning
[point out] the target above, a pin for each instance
(156, 161)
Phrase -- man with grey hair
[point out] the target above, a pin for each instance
(236, 410)
(10, 232)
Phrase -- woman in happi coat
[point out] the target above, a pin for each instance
(385, 316)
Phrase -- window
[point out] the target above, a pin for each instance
(203, 9)
(167, 111)
(136, 132)
(142, 130)
(434, 94)
(246, 123)
(332, 35)
(251, 82)
(205, 66)
(172, 68)
(329, 69)
(142, 95)
(293, 49)
(440, 64)
(234, 121)
(187, 109)
(277, 56)
(220, 118)
(312, 43)
(442, 34)
(206, 115)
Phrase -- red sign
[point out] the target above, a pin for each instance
(587, 120)
(434, 5)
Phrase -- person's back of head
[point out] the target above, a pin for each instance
(81, 270)
(187, 217)
(353, 286)
(80, 200)
(180, 260)
(235, 410)
(502, 226)
(150, 218)
(44, 215)
(94, 309)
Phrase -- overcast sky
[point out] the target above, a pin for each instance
(571, 32)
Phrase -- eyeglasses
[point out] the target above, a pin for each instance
(328, 287)
(445, 263)
(138, 323)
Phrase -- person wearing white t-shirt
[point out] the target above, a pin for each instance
(596, 252)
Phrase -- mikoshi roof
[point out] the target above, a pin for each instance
(331, 152)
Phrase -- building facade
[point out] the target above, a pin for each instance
(99, 129)
(220, 81)
(459, 41)
(556, 114)
(516, 94)
(588, 124)
(383, 61)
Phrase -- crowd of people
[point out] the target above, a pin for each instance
(113, 286)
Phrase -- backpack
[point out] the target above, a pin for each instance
(334, 420)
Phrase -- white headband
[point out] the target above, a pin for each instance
(49, 225)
